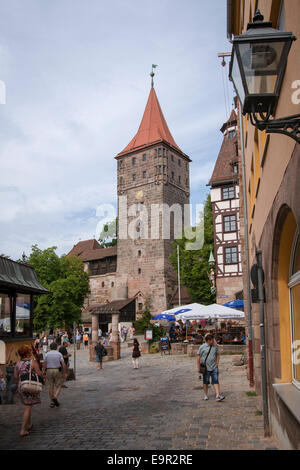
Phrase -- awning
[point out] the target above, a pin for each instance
(20, 276)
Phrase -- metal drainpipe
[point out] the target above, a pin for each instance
(260, 286)
(249, 310)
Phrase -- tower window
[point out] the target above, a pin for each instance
(144, 157)
(139, 253)
(133, 161)
(159, 151)
(139, 270)
(144, 174)
(134, 177)
(228, 193)
(229, 223)
(172, 157)
(179, 179)
(172, 175)
(121, 180)
(121, 164)
(102, 284)
(179, 162)
(231, 255)
(112, 284)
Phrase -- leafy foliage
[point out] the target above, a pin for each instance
(108, 236)
(145, 322)
(68, 283)
(194, 266)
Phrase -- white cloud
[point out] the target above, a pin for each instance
(77, 84)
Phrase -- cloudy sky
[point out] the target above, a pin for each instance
(77, 81)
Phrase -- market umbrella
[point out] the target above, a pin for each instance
(234, 304)
(164, 316)
(220, 311)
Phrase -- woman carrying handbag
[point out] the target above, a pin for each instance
(30, 378)
(136, 353)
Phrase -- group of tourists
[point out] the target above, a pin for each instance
(31, 376)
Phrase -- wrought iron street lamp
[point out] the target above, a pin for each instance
(257, 67)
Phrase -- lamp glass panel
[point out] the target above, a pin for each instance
(261, 63)
(237, 79)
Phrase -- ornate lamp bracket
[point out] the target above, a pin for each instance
(289, 125)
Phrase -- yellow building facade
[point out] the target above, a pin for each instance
(272, 222)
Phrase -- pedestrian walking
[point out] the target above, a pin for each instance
(100, 353)
(25, 369)
(125, 332)
(64, 352)
(2, 386)
(85, 340)
(208, 364)
(136, 353)
(131, 332)
(54, 364)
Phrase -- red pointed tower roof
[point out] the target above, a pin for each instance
(153, 128)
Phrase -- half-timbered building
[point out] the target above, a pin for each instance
(225, 206)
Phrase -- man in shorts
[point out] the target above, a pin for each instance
(209, 355)
(54, 363)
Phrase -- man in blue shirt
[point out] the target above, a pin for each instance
(209, 355)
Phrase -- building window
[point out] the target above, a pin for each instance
(144, 157)
(5, 314)
(159, 152)
(179, 162)
(172, 157)
(235, 168)
(179, 179)
(121, 180)
(112, 284)
(231, 255)
(172, 175)
(229, 223)
(144, 174)
(121, 164)
(140, 306)
(228, 193)
(102, 284)
(231, 134)
(22, 326)
(134, 177)
(187, 182)
(133, 161)
(139, 253)
(139, 270)
(294, 286)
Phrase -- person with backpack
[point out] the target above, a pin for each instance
(208, 365)
(100, 352)
(136, 353)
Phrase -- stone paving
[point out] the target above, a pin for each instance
(159, 406)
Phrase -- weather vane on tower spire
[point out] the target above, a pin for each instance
(152, 75)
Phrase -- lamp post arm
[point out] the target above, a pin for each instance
(289, 126)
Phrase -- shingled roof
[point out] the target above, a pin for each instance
(153, 128)
(111, 307)
(223, 171)
(89, 250)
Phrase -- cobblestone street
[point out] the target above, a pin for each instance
(159, 406)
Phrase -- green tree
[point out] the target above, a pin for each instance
(108, 236)
(194, 266)
(68, 283)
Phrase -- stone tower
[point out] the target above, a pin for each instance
(152, 172)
